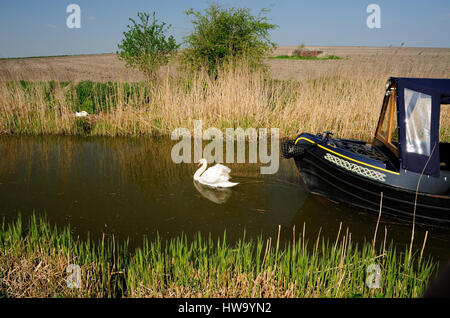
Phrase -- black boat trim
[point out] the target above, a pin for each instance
(343, 156)
(385, 185)
(427, 206)
(404, 214)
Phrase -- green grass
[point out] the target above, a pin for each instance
(34, 257)
(296, 57)
(92, 97)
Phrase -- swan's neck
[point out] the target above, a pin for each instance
(199, 172)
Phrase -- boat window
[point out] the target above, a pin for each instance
(417, 122)
(444, 126)
(444, 137)
(389, 130)
(385, 124)
(394, 136)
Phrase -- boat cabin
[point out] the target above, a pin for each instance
(408, 130)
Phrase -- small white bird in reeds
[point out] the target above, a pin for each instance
(81, 114)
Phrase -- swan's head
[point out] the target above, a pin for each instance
(202, 162)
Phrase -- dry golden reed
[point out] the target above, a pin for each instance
(342, 96)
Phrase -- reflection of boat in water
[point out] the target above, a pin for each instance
(216, 195)
(404, 157)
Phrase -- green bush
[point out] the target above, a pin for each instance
(95, 97)
(146, 46)
(221, 35)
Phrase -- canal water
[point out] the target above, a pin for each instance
(131, 188)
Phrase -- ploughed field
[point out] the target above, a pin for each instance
(369, 62)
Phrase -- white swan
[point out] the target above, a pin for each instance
(216, 176)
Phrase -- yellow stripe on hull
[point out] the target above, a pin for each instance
(348, 158)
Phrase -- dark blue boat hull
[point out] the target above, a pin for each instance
(351, 179)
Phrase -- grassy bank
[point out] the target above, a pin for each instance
(34, 258)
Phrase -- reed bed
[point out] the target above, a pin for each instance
(34, 258)
(339, 101)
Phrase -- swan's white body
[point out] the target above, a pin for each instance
(216, 176)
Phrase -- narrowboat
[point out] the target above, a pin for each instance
(405, 160)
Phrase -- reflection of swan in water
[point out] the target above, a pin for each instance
(216, 176)
(217, 195)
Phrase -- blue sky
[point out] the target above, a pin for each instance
(38, 27)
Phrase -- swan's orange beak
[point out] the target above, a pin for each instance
(199, 164)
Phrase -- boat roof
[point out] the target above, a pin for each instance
(439, 86)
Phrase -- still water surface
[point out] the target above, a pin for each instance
(130, 187)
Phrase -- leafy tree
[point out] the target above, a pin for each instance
(221, 35)
(146, 46)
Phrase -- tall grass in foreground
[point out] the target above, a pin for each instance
(34, 258)
(348, 106)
